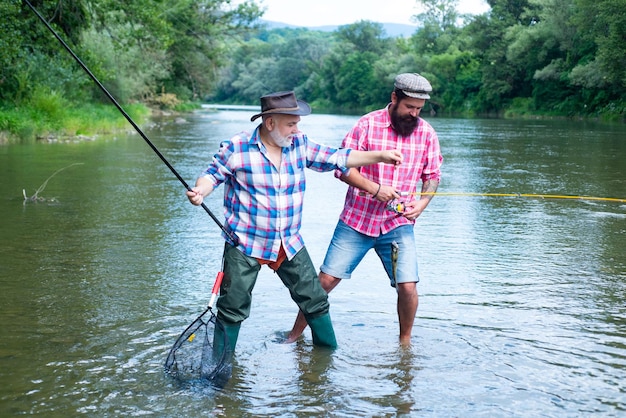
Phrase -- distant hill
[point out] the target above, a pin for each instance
(393, 30)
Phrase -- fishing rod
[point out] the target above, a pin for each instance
(228, 233)
(540, 196)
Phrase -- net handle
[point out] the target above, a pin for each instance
(216, 287)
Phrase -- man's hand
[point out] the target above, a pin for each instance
(386, 193)
(195, 196)
(203, 188)
(412, 210)
(391, 157)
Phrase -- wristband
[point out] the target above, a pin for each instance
(377, 191)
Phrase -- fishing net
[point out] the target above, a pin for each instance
(202, 351)
(194, 357)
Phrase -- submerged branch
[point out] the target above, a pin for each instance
(36, 197)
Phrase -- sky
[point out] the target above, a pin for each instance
(343, 12)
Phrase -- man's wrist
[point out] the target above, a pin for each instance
(377, 191)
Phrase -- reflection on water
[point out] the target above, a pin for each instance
(522, 299)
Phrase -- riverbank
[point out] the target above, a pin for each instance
(57, 121)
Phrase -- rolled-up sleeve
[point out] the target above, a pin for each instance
(325, 158)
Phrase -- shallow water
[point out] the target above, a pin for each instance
(521, 299)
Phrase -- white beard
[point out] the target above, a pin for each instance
(281, 141)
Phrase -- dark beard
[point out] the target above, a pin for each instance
(403, 125)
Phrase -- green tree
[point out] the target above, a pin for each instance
(353, 80)
(437, 26)
(456, 80)
(201, 33)
(603, 65)
(441, 13)
(283, 59)
(29, 54)
(365, 35)
(541, 49)
(135, 48)
(488, 43)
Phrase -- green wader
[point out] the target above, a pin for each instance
(298, 275)
(322, 331)
(224, 342)
(225, 335)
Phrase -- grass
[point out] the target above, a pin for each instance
(48, 115)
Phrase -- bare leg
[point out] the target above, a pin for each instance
(407, 307)
(328, 283)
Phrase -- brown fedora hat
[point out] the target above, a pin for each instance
(284, 103)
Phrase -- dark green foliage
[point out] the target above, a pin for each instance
(522, 57)
(552, 57)
(136, 49)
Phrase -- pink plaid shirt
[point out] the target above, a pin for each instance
(421, 161)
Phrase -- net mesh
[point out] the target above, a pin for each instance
(194, 356)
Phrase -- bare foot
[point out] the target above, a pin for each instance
(405, 341)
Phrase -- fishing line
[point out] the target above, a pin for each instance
(399, 206)
(228, 233)
(539, 196)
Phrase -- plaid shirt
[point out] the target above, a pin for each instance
(421, 161)
(262, 203)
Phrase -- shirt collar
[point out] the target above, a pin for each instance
(255, 139)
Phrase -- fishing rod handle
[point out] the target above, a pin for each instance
(402, 194)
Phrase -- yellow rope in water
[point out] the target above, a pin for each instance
(542, 196)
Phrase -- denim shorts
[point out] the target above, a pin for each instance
(348, 247)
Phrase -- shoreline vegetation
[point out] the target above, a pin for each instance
(56, 121)
(519, 60)
(51, 119)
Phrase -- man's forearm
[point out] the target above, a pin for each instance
(204, 186)
(361, 158)
(429, 187)
(356, 179)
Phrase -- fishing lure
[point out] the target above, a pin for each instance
(395, 248)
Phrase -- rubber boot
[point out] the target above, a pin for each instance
(322, 331)
(224, 342)
(232, 334)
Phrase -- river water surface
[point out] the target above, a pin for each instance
(522, 299)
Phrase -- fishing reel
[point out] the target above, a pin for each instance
(396, 205)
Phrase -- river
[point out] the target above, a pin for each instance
(522, 299)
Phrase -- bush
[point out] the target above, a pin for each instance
(164, 101)
(48, 106)
(520, 106)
